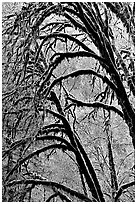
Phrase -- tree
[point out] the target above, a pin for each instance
(63, 62)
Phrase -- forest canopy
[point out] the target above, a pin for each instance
(68, 107)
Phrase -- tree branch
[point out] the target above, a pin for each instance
(62, 196)
(82, 157)
(66, 36)
(51, 184)
(37, 152)
(66, 125)
(97, 105)
(67, 24)
(81, 54)
(16, 144)
(20, 142)
(122, 188)
(75, 23)
(51, 197)
(60, 139)
(78, 73)
(50, 128)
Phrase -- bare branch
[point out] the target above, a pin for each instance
(66, 36)
(51, 184)
(122, 188)
(81, 158)
(50, 128)
(37, 152)
(51, 197)
(60, 139)
(97, 105)
(78, 73)
(80, 54)
(62, 196)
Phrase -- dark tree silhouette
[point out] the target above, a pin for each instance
(39, 43)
